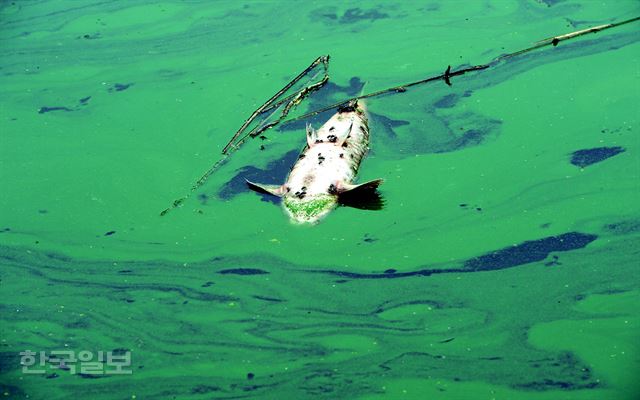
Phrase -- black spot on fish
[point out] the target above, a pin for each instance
(320, 158)
(332, 189)
(333, 128)
(332, 138)
(319, 141)
(301, 193)
(584, 158)
(345, 108)
(341, 155)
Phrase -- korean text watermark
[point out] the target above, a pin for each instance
(116, 362)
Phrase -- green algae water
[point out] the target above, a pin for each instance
(503, 265)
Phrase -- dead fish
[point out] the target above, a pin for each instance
(326, 169)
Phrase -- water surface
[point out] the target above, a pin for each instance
(504, 264)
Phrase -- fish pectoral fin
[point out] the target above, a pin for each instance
(274, 190)
(364, 196)
(369, 186)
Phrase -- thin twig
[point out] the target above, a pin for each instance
(396, 89)
(554, 40)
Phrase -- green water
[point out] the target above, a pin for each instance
(511, 272)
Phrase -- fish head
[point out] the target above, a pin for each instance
(310, 208)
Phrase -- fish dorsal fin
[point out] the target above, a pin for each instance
(274, 190)
(312, 135)
(343, 139)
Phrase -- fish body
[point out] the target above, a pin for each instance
(326, 169)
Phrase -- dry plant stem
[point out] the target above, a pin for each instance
(267, 105)
(448, 74)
